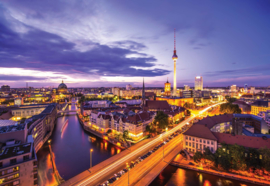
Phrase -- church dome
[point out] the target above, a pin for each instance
(62, 87)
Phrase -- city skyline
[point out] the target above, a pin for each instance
(45, 43)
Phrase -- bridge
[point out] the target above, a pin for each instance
(142, 174)
(73, 110)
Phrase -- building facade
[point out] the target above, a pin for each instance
(198, 83)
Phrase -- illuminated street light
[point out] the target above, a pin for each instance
(91, 150)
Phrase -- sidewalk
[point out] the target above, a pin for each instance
(182, 163)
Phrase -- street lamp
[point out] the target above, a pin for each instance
(91, 150)
(128, 172)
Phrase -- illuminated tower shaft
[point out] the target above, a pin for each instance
(174, 58)
(174, 79)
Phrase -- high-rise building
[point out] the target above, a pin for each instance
(186, 87)
(252, 90)
(5, 88)
(246, 88)
(233, 88)
(116, 91)
(198, 83)
(167, 88)
(128, 87)
(174, 58)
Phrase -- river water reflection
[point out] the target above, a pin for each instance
(172, 176)
(71, 149)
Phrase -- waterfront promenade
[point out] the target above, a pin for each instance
(182, 163)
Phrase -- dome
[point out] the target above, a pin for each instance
(62, 87)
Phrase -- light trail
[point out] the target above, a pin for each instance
(137, 151)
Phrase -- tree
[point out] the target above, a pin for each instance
(109, 131)
(162, 119)
(230, 99)
(198, 157)
(125, 134)
(237, 154)
(265, 155)
(188, 112)
(222, 159)
(229, 108)
(253, 160)
(82, 99)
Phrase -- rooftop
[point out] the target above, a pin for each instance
(200, 131)
(15, 151)
(260, 103)
(7, 123)
(246, 141)
(213, 120)
(12, 128)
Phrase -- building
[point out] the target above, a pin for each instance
(18, 101)
(128, 94)
(186, 88)
(157, 92)
(246, 88)
(18, 160)
(266, 116)
(118, 122)
(18, 164)
(98, 103)
(62, 88)
(159, 105)
(198, 83)
(5, 88)
(27, 111)
(259, 106)
(176, 101)
(187, 94)
(116, 91)
(174, 58)
(211, 131)
(41, 126)
(252, 90)
(233, 88)
(198, 138)
(128, 87)
(167, 88)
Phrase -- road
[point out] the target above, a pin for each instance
(140, 170)
(109, 170)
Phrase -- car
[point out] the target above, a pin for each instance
(125, 170)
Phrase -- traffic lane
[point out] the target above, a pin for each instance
(146, 165)
(149, 145)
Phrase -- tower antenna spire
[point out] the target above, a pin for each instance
(174, 41)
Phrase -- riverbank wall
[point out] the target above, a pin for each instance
(221, 174)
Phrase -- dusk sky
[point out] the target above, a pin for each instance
(118, 42)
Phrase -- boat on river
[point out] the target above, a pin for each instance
(65, 124)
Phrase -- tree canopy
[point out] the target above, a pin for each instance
(229, 108)
(162, 119)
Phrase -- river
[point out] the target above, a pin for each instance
(71, 149)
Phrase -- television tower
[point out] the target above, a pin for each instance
(174, 58)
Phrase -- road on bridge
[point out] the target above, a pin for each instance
(108, 171)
